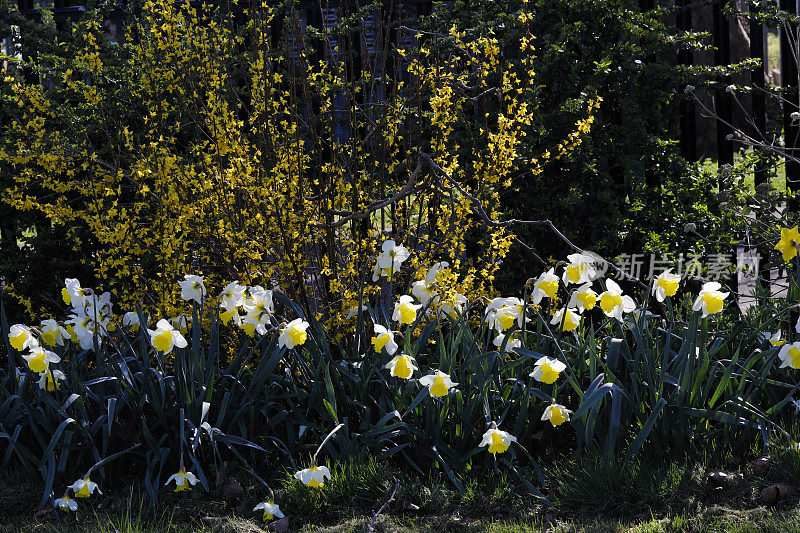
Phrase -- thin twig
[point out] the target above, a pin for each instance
(371, 526)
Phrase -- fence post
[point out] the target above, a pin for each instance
(722, 100)
(789, 84)
(686, 107)
(757, 98)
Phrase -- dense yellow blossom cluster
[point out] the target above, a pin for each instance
(242, 172)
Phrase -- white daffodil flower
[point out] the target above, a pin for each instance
(384, 338)
(512, 343)
(66, 504)
(84, 328)
(72, 293)
(53, 334)
(584, 298)
(438, 383)
(425, 290)
(546, 285)
(232, 296)
(131, 320)
(454, 306)
(547, 370)
(181, 323)
(165, 337)
(22, 337)
(775, 339)
(182, 480)
(390, 259)
(293, 334)
(401, 366)
(270, 509)
(557, 414)
(579, 270)
(314, 476)
(498, 441)
(790, 355)
(710, 300)
(192, 288)
(83, 488)
(502, 313)
(613, 303)
(259, 308)
(40, 359)
(666, 284)
(50, 380)
(570, 321)
(405, 310)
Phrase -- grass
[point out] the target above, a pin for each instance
(590, 495)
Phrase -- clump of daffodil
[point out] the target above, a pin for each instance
(567, 319)
(584, 298)
(546, 285)
(192, 288)
(547, 370)
(293, 334)
(270, 508)
(788, 243)
(579, 270)
(613, 303)
(498, 441)
(790, 355)
(405, 310)
(665, 284)
(401, 366)
(53, 334)
(22, 337)
(438, 383)
(40, 359)
(84, 487)
(710, 300)
(165, 337)
(314, 476)
(66, 504)
(183, 480)
(557, 414)
(390, 259)
(775, 339)
(384, 338)
(50, 380)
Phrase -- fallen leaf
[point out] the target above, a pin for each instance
(411, 507)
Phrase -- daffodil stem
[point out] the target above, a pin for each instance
(314, 457)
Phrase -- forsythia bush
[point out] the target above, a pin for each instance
(195, 145)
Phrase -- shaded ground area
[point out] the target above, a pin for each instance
(587, 495)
